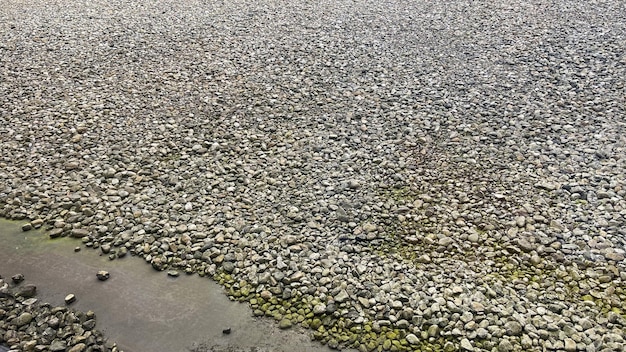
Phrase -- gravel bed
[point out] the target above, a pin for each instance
(395, 175)
(28, 325)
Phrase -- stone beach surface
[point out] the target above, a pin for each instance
(393, 175)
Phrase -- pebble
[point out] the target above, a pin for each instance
(570, 345)
(513, 328)
(23, 319)
(319, 309)
(70, 298)
(17, 278)
(103, 275)
(505, 346)
(285, 324)
(412, 339)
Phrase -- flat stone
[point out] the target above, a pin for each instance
(58, 346)
(55, 233)
(30, 301)
(505, 346)
(364, 302)
(79, 233)
(545, 185)
(27, 291)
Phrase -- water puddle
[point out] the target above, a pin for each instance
(139, 308)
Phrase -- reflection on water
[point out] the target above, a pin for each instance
(141, 309)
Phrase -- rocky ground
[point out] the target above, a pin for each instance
(28, 325)
(395, 175)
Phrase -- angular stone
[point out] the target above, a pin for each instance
(570, 345)
(364, 302)
(319, 309)
(466, 345)
(342, 296)
(412, 339)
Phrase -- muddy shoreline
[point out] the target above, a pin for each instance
(139, 308)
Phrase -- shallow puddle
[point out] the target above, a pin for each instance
(140, 308)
